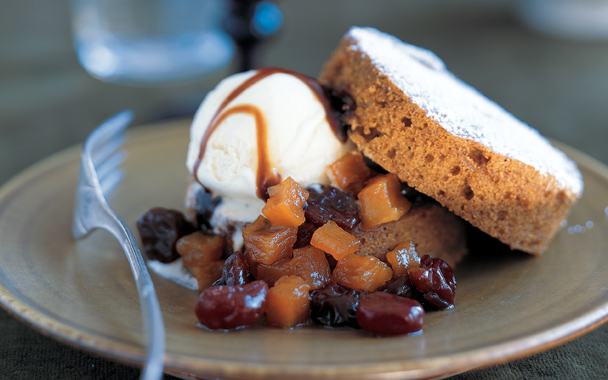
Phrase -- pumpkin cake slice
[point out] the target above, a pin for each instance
(414, 118)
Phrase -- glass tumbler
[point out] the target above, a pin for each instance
(146, 42)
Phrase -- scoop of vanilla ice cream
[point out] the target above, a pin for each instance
(300, 141)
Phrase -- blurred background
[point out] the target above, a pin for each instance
(548, 69)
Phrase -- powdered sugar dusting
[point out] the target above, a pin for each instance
(461, 109)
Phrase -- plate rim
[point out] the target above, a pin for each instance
(132, 355)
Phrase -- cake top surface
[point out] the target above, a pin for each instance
(459, 108)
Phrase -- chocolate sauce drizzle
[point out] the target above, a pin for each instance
(266, 175)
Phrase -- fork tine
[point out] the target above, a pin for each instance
(104, 151)
(110, 181)
(109, 164)
(110, 128)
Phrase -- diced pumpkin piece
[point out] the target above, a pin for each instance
(308, 262)
(332, 239)
(350, 171)
(287, 302)
(199, 248)
(207, 274)
(402, 257)
(382, 201)
(267, 244)
(285, 204)
(361, 272)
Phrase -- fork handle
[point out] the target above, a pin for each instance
(150, 307)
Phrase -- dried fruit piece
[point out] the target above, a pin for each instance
(435, 280)
(327, 203)
(287, 302)
(285, 204)
(159, 229)
(334, 240)
(305, 231)
(200, 248)
(400, 286)
(334, 306)
(225, 307)
(308, 262)
(267, 244)
(361, 272)
(201, 253)
(207, 274)
(350, 171)
(201, 206)
(236, 270)
(403, 256)
(388, 314)
(382, 201)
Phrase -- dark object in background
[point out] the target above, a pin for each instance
(249, 22)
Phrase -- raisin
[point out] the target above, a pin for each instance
(332, 204)
(236, 270)
(388, 314)
(435, 280)
(305, 232)
(400, 286)
(334, 306)
(225, 307)
(159, 229)
(205, 204)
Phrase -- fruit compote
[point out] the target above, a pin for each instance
(300, 261)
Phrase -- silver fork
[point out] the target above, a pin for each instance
(99, 176)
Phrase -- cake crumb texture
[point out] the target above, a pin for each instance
(417, 120)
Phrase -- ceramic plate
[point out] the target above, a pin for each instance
(509, 305)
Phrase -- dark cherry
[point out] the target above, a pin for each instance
(305, 231)
(387, 314)
(226, 307)
(236, 270)
(435, 280)
(333, 306)
(400, 286)
(332, 204)
(159, 229)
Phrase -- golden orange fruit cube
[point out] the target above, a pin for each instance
(402, 257)
(332, 239)
(199, 248)
(362, 272)
(267, 244)
(285, 204)
(382, 201)
(308, 262)
(207, 274)
(350, 171)
(287, 302)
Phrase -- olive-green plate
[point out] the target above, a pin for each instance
(82, 293)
